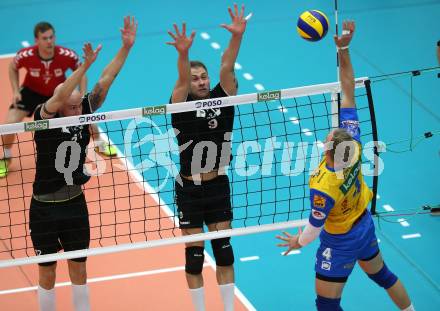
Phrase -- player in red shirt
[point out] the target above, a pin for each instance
(46, 65)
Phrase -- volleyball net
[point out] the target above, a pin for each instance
(276, 144)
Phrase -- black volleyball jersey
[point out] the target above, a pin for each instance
(195, 131)
(48, 179)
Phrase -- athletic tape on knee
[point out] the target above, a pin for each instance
(223, 253)
(194, 259)
(328, 304)
(384, 278)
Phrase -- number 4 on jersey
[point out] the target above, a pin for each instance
(327, 254)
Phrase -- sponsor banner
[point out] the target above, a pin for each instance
(209, 103)
(155, 110)
(92, 118)
(36, 125)
(268, 96)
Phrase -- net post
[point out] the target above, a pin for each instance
(376, 144)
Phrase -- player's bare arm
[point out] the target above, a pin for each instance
(14, 80)
(100, 90)
(237, 29)
(182, 43)
(345, 67)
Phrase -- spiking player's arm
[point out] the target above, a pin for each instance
(182, 43)
(345, 67)
(237, 29)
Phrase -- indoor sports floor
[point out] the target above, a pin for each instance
(391, 36)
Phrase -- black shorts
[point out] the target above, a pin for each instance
(61, 225)
(29, 100)
(206, 203)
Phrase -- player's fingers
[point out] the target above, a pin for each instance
(236, 9)
(184, 29)
(193, 34)
(230, 13)
(172, 35)
(176, 29)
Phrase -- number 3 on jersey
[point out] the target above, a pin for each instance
(327, 254)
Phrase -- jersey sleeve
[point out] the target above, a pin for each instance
(21, 57)
(321, 205)
(349, 121)
(75, 63)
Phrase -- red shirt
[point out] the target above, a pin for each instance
(43, 76)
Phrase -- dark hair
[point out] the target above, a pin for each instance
(196, 63)
(42, 27)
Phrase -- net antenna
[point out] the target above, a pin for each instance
(336, 97)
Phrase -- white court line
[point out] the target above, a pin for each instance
(25, 44)
(205, 36)
(259, 87)
(377, 196)
(7, 55)
(215, 45)
(411, 236)
(237, 66)
(388, 208)
(283, 109)
(307, 132)
(250, 258)
(101, 279)
(248, 76)
(294, 120)
(293, 252)
(403, 222)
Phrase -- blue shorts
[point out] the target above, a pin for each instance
(338, 253)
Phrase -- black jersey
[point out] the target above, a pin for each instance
(47, 178)
(197, 130)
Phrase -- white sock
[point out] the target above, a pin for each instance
(80, 295)
(198, 298)
(227, 291)
(410, 308)
(46, 299)
(7, 153)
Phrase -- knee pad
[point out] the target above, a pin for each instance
(328, 304)
(194, 259)
(223, 253)
(384, 278)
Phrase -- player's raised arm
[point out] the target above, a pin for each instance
(237, 29)
(64, 90)
(182, 43)
(100, 90)
(345, 67)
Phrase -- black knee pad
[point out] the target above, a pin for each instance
(223, 253)
(194, 259)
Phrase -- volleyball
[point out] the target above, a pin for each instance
(312, 25)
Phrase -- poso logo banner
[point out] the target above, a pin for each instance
(92, 118)
(149, 111)
(36, 125)
(209, 103)
(268, 96)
